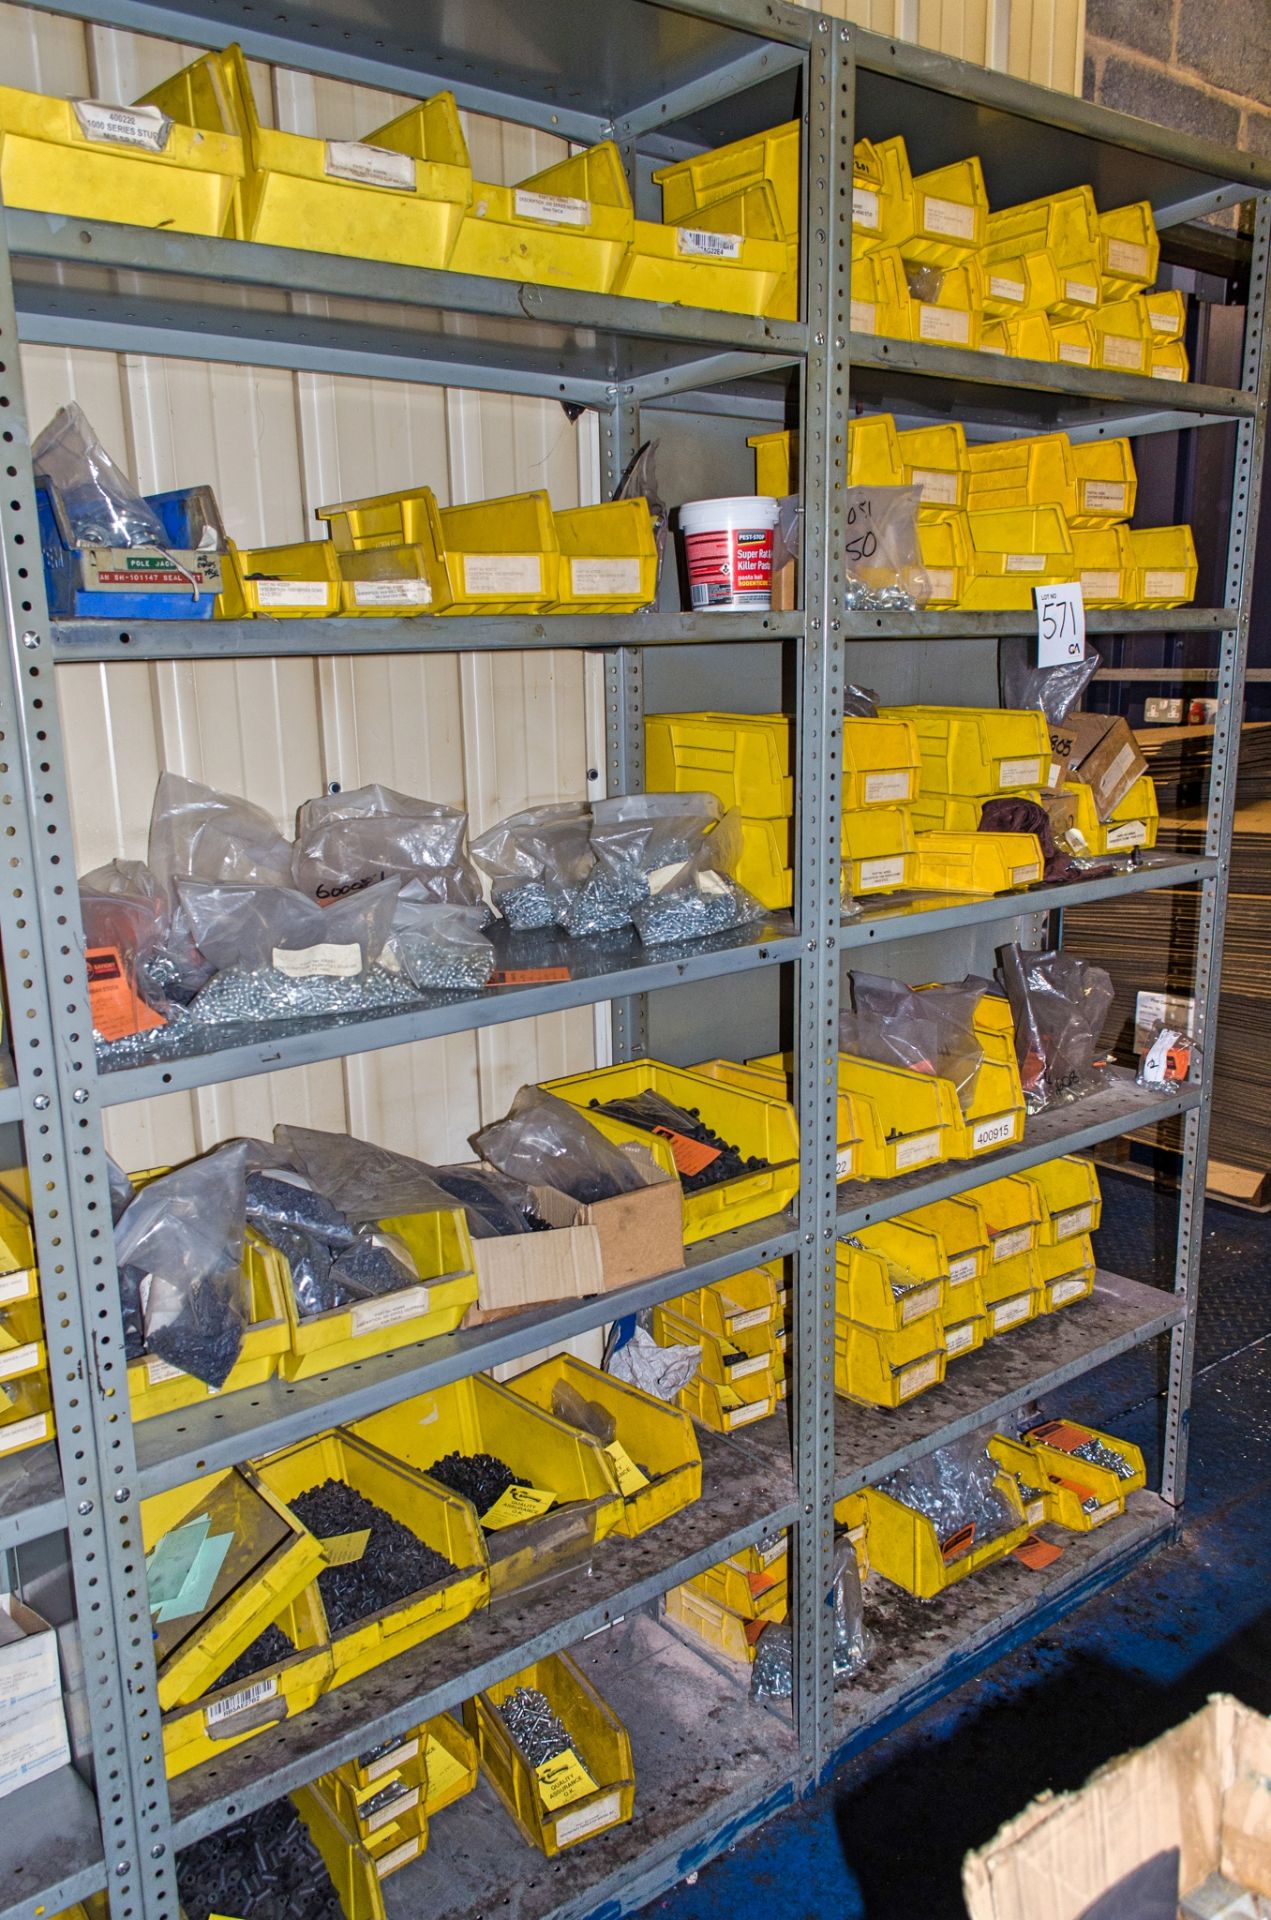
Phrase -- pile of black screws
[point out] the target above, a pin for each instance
(653, 1113)
(265, 1867)
(394, 1566)
(540, 1735)
(266, 1650)
(478, 1477)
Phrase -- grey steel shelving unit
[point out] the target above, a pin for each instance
(663, 77)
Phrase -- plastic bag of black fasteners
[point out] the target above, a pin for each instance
(1059, 1002)
(543, 1141)
(333, 1263)
(370, 1183)
(1055, 690)
(438, 947)
(537, 861)
(179, 1248)
(772, 1676)
(348, 841)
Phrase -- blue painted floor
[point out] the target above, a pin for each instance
(885, 1841)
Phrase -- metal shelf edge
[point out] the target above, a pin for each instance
(1140, 390)
(955, 623)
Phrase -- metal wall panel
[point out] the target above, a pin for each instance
(1038, 40)
(487, 733)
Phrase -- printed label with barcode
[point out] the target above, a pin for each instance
(239, 1702)
(695, 243)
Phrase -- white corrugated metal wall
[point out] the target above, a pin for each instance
(1039, 40)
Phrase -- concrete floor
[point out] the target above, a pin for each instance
(885, 1840)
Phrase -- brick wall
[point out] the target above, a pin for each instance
(1203, 66)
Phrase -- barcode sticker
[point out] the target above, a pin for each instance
(1019, 773)
(502, 573)
(1123, 353)
(24, 1433)
(1074, 354)
(1127, 256)
(920, 1301)
(956, 1338)
(605, 576)
(865, 208)
(291, 593)
(556, 209)
(882, 873)
(1025, 562)
(1162, 584)
(392, 593)
(1002, 289)
(145, 127)
(369, 166)
(938, 489)
(239, 1702)
(950, 325)
(1081, 292)
(948, 217)
(1076, 1220)
(697, 244)
(1104, 496)
(864, 318)
(880, 787)
(576, 1826)
(992, 1133)
(1011, 1311)
(369, 1316)
(922, 1374)
(1008, 1245)
(917, 1150)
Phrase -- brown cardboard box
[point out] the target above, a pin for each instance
(591, 1249)
(1100, 750)
(1203, 1790)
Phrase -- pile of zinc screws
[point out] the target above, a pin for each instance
(393, 1566)
(478, 1477)
(1098, 1455)
(265, 1867)
(527, 1714)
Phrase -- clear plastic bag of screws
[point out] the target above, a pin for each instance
(955, 1487)
(652, 844)
(198, 833)
(1059, 1002)
(537, 862)
(438, 947)
(701, 895)
(928, 1032)
(95, 504)
(881, 553)
(280, 927)
(179, 1249)
(772, 1676)
(543, 1141)
(1165, 1063)
(1054, 690)
(349, 841)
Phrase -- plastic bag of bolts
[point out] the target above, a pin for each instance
(367, 1182)
(772, 1676)
(264, 1866)
(94, 501)
(438, 947)
(702, 1157)
(1059, 1002)
(198, 833)
(537, 862)
(955, 1488)
(1165, 1064)
(650, 844)
(543, 1141)
(701, 896)
(349, 841)
(881, 554)
(179, 1249)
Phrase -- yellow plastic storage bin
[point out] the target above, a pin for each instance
(1013, 551)
(729, 1306)
(356, 1870)
(742, 758)
(964, 1336)
(1169, 361)
(26, 1413)
(948, 813)
(155, 1386)
(763, 1556)
(449, 1759)
(880, 295)
(19, 1277)
(1066, 1195)
(950, 215)
(979, 751)
(1166, 315)
(570, 225)
(768, 160)
(936, 461)
(1074, 343)
(399, 195)
(882, 764)
(776, 462)
(1066, 1272)
(723, 1409)
(764, 866)
(751, 1596)
(873, 452)
(1036, 472)
(92, 161)
(1129, 250)
(889, 1276)
(759, 1125)
(944, 542)
(22, 1349)
(1012, 1213)
(977, 862)
(1133, 822)
(296, 582)
(1028, 284)
(962, 1230)
(726, 270)
(270, 1559)
(440, 1519)
(1054, 1497)
(386, 550)
(774, 1073)
(906, 1549)
(600, 1742)
(1105, 565)
(953, 314)
(1012, 1293)
(1165, 567)
(654, 1438)
(608, 558)
(880, 851)
(225, 1716)
(1057, 1439)
(887, 1369)
(706, 1620)
(366, 1821)
(882, 195)
(1107, 484)
(1065, 224)
(916, 1112)
(1122, 337)
(727, 1360)
(441, 1248)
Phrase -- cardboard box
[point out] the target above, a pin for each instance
(33, 1738)
(591, 1249)
(1143, 1831)
(1099, 749)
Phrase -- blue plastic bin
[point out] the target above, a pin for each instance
(183, 512)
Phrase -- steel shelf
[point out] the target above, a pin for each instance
(1006, 1373)
(598, 972)
(903, 916)
(923, 1649)
(94, 641)
(50, 1847)
(32, 1503)
(231, 1427)
(1117, 1107)
(952, 624)
(744, 1498)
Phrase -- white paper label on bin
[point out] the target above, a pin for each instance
(755, 1363)
(914, 1379)
(1098, 1515)
(1127, 256)
(387, 1762)
(880, 787)
(1019, 773)
(1120, 352)
(368, 1316)
(330, 959)
(24, 1433)
(557, 209)
(948, 324)
(1025, 876)
(1160, 584)
(1067, 1289)
(1081, 292)
(1103, 496)
(1011, 1311)
(864, 316)
(938, 489)
(963, 1268)
(844, 1161)
(940, 582)
(992, 1133)
(393, 1811)
(369, 166)
(865, 208)
(601, 1813)
(1167, 373)
(920, 1301)
(1163, 322)
(605, 576)
(772, 1551)
(291, 593)
(1008, 1245)
(1001, 288)
(742, 1416)
(19, 1359)
(1126, 833)
(1025, 563)
(146, 127)
(392, 593)
(756, 1317)
(1099, 585)
(697, 244)
(14, 1286)
(882, 873)
(948, 217)
(239, 1702)
(158, 1371)
(1076, 1220)
(1074, 354)
(398, 1856)
(917, 1150)
(502, 573)
(958, 1337)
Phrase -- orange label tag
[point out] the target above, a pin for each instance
(116, 1008)
(759, 1583)
(1060, 1434)
(526, 976)
(1037, 1553)
(690, 1156)
(958, 1543)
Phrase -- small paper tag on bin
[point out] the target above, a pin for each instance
(630, 1478)
(563, 1779)
(515, 1505)
(342, 1549)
